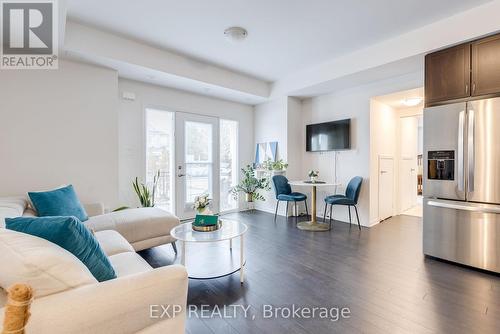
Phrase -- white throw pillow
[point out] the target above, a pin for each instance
(11, 207)
(45, 266)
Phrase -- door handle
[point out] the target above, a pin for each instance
(181, 175)
(482, 208)
(460, 150)
(470, 151)
(383, 172)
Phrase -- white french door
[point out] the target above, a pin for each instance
(197, 161)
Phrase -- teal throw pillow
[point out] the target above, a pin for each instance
(70, 234)
(58, 202)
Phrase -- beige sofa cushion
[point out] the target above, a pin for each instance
(45, 266)
(136, 225)
(112, 242)
(129, 263)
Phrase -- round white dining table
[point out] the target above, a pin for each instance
(313, 224)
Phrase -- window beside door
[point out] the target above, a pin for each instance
(160, 155)
(228, 163)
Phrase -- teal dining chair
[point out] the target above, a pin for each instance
(284, 193)
(349, 199)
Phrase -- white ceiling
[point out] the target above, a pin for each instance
(284, 35)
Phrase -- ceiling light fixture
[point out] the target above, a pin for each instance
(412, 102)
(235, 34)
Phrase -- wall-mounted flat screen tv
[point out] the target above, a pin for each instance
(330, 136)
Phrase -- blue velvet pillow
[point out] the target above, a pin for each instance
(59, 202)
(70, 234)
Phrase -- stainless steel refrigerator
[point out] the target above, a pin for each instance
(461, 221)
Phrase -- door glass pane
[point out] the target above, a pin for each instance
(198, 142)
(159, 155)
(197, 180)
(228, 163)
(198, 160)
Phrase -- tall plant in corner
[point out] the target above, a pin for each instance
(250, 185)
(146, 194)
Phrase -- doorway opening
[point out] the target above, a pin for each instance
(396, 146)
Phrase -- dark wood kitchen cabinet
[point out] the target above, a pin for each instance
(486, 66)
(447, 74)
(465, 72)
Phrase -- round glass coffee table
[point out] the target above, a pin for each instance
(207, 258)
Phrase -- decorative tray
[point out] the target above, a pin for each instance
(207, 228)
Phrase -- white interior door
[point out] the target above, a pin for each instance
(408, 183)
(386, 187)
(408, 162)
(197, 161)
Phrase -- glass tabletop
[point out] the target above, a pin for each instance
(230, 229)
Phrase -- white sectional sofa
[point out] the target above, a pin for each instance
(142, 227)
(121, 305)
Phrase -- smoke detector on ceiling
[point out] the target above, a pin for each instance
(235, 34)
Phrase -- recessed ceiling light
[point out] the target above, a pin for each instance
(235, 34)
(412, 102)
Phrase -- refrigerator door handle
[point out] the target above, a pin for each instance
(461, 121)
(470, 151)
(481, 208)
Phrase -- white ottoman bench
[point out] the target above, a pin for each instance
(142, 227)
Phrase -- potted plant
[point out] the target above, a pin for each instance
(275, 167)
(313, 175)
(201, 204)
(146, 194)
(250, 185)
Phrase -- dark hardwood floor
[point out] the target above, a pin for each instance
(380, 274)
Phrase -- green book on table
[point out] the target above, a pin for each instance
(206, 220)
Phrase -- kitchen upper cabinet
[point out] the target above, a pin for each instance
(447, 74)
(486, 66)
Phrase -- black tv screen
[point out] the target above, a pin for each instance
(330, 136)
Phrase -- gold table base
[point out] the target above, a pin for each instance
(313, 226)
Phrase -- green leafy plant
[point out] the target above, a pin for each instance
(146, 194)
(279, 165)
(250, 185)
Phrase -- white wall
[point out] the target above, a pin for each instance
(270, 124)
(281, 120)
(60, 127)
(384, 138)
(354, 162)
(295, 140)
(131, 126)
